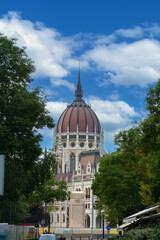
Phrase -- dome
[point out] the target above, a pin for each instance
(78, 114)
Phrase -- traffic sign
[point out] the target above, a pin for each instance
(43, 222)
(108, 222)
(108, 228)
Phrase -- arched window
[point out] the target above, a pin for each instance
(57, 217)
(98, 222)
(72, 162)
(63, 217)
(87, 221)
(86, 192)
(67, 211)
(65, 168)
(89, 190)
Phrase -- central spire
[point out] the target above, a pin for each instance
(79, 91)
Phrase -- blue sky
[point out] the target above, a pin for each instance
(117, 43)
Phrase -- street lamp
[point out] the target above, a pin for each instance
(102, 211)
(92, 210)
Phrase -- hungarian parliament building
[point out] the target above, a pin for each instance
(78, 145)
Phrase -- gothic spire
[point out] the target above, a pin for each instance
(79, 91)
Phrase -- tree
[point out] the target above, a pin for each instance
(115, 185)
(49, 190)
(129, 179)
(22, 114)
(151, 138)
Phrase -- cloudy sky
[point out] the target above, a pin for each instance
(117, 43)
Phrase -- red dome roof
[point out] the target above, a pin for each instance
(81, 115)
(78, 114)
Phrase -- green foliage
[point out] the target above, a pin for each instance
(129, 179)
(48, 188)
(13, 211)
(116, 187)
(145, 233)
(47, 191)
(22, 114)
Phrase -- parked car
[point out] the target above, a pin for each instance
(47, 237)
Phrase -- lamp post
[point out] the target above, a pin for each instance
(2, 174)
(102, 211)
(103, 226)
(92, 211)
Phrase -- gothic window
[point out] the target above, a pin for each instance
(87, 192)
(57, 217)
(65, 168)
(63, 217)
(67, 211)
(72, 162)
(87, 222)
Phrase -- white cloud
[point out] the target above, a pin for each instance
(45, 46)
(128, 64)
(113, 116)
(135, 32)
(46, 132)
(56, 109)
(61, 82)
(125, 63)
(125, 57)
(114, 96)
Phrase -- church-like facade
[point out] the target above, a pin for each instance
(78, 145)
